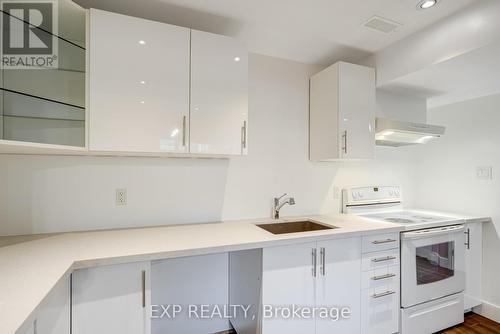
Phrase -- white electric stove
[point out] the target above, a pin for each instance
(432, 258)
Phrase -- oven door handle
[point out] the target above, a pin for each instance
(433, 232)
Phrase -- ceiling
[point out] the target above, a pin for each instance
(471, 75)
(309, 31)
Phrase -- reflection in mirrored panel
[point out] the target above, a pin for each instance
(47, 105)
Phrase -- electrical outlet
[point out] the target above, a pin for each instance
(121, 196)
(336, 192)
(484, 173)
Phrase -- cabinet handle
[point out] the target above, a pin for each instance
(383, 294)
(378, 278)
(35, 326)
(143, 283)
(386, 241)
(467, 243)
(183, 130)
(244, 135)
(314, 262)
(382, 259)
(322, 253)
(344, 138)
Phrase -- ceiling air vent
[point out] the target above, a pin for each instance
(382, 24)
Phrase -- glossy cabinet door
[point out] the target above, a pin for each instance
(53, 314)
(288, 279)
(342, 113)
(219, 95)
(473, 265)
(112, 299)
(178, 282)
(139, 85)
(357, 111)
(338, 284)
(31, 329)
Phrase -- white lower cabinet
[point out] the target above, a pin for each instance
(317, 276)
(30, 329)
(111, 299)
(473, 265)
(338, 282)
(288, 279)
(187, 283)
(380, 284)
(53, 316)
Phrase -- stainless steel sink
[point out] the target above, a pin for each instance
(295, 227)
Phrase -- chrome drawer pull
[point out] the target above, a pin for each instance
(383, 294)
(386, 241)
(382, 259)
(378, 278)
(322, 253)
(467, 233)
(143, 288)
(314, 262)
(184, 130)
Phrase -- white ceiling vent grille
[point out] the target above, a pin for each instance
(382, 24)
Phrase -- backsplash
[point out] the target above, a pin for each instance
(44, 194)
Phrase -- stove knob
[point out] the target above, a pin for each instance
(391, 192)
(360, 194)
(354, 196)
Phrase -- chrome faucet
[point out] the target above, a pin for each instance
(279, 204)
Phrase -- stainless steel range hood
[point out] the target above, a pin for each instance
(398, 133)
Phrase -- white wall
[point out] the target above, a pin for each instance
(447, 174)
(41, 194)
(401, 107)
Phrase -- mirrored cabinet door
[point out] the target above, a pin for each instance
(219, 97)
(139, 84)
(43, 104)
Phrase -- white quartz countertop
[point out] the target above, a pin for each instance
(468, 218)
(29, 270)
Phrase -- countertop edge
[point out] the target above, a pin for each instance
(288, 240)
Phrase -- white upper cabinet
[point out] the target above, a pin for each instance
(139, 85)
(219, 98)
(342, 113)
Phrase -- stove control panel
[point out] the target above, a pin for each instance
(371, 195)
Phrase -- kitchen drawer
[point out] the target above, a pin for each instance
(380, 309)
(380, 259)
(380, 277)
(433, 316)
(380, 242)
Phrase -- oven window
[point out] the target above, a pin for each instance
(435, 262)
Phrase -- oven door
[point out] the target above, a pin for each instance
(432, 264)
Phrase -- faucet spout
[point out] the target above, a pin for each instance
(278, 204)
